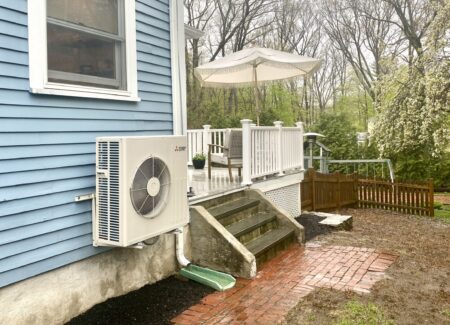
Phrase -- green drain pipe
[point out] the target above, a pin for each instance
(214, 279)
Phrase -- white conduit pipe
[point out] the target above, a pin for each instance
(180, 248)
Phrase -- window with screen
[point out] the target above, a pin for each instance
(83, 48)
(86, 42)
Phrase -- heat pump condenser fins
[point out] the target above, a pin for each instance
(150, 188)
(108, 191)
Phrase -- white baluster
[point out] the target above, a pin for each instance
(246, 152)
(206, 140)
(279, 125)
(301, 128)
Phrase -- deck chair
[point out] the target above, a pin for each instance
(232, 153)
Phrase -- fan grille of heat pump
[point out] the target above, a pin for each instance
(150, 188)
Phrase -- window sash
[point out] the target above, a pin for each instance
(119, 82)
(88, 13)
(75, 77)
(86, 29)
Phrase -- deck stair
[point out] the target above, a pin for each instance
(254, 222)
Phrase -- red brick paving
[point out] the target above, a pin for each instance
(281, 283)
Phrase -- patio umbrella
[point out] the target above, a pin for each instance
(253, 67)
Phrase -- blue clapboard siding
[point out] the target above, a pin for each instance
(47, 144)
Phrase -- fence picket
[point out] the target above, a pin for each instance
(334, 191)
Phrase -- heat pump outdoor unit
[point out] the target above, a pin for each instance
(141, 187)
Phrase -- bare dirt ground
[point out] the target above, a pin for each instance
(418, 288)
(443, 198)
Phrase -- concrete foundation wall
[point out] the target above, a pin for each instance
(58, 296)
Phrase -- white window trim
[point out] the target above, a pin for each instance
(37, 42)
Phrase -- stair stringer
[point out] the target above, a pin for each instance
(283, 216)
(216, 248)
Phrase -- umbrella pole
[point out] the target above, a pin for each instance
(256, 94)
(256, 103)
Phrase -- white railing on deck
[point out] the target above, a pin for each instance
(275, 149)
(266, 150)
(216, 136)
(292, 152)
(199, 139)
(263, 154)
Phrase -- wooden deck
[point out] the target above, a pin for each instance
(219, 184)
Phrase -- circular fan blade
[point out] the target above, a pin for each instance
(147, 168)
(138, 198)
(150, 204)
(140, 180)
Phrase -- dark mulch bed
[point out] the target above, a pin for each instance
(155, 304)
(312, 227)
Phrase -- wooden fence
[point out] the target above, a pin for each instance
(410, 198)
(333, 191)
(328, 191)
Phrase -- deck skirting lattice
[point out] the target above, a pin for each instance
(286, 198)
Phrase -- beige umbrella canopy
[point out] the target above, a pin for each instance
(252, 67)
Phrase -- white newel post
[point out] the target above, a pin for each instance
(300, 126)
(206, 139)
(279, 125)
(246, 152)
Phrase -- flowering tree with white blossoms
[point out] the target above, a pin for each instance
(413, 101)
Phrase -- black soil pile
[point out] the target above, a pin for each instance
(312, 227)
(154, 304)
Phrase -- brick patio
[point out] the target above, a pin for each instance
(284, 280)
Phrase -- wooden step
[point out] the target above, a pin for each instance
(251, 223)
(270, 239)
(230, 208)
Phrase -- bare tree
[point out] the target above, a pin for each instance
(360, 38)
(413, 17)
(325, 81)
(199, 15)
(236, 22)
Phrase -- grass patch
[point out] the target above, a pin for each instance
(444, 214)
(446, 312)
(442, 211)
(356, 313)
(311, 317)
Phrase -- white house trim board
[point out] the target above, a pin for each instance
(37, 42)
(279, 182)
(177, 42)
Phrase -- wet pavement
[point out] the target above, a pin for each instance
(284, 280)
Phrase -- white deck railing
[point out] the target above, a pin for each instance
(199, 139)
(292, 152)
(263, 151)
(266, 150)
